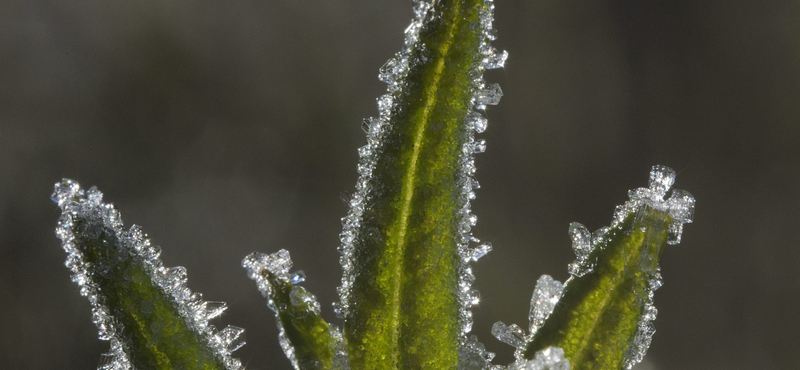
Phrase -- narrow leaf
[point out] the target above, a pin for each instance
(603, 319)
(145, 310)
(308, 341)
(406, 289)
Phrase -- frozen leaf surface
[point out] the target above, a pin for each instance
(604, 317)
(407, 243)
(308, 341)
(147, 312)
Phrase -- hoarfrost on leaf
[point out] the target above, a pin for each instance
(394, 73)
(87, 225)
(550, 358)
(679, 206)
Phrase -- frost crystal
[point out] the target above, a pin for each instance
(545, 297)
(490, 95)
(550, 358)
(88, 208)
(473, 355)
(582, 245)
(394, 73)
(512, 334)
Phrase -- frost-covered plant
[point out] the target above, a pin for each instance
(406, 246)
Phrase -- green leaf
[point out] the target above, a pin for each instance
(306, 337)
(401, 296)
(596, 319)
(151, 318)
(603, 319)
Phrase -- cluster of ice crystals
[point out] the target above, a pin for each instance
(550, 358)
(469, 247)
(582, 246)
(512, 334)
(77, 204)
(680, 204)
(473, 355)
(644, 334)
(546, 295)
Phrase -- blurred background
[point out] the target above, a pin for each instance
(227, 127)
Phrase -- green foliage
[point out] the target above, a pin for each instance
(157, 335)
(404, 294)
(405, 262)
(302, 324)
(597, 317)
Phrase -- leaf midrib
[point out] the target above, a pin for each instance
(580, 352)
(409, 185)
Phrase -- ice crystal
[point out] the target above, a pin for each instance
(489, 95)
(512, 334)
(87, 207)
(582, 246)
(550, 358)
(473, 355)
(545, 297)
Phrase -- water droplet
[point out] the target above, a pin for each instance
(298, 277)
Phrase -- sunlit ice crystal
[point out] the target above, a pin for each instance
(493, 59)
(477, 122)
(582, 245)
(581, 239)
(512, 334)
(550, 358)
(490, 95)
(546, 295)
(473, 355)
(84, 216)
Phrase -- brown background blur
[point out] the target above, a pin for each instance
(225, 127)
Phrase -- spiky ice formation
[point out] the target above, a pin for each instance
(394, 72)
(545, 297)
(307, 340)
(550, 358)
(147, 312)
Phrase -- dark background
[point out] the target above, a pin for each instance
(226, 127)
